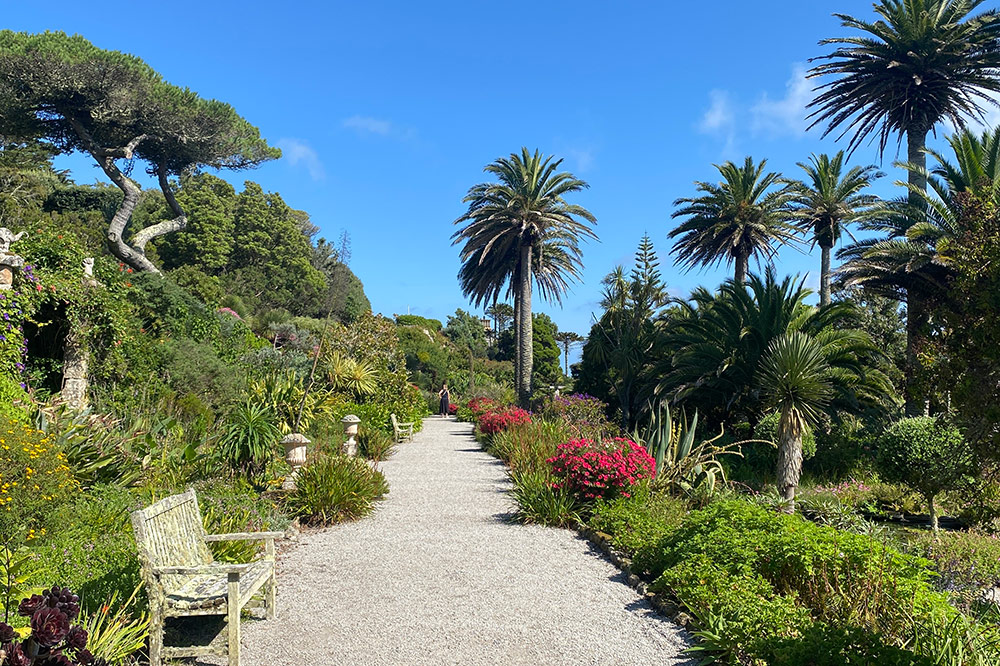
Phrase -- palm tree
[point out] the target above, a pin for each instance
(742, 216)
(567, 339)
(826, 202)
(923, 62)
(798, 382)
(518, 231)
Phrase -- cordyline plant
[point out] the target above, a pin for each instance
(54, 640)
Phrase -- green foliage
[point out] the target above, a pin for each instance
(528, 446)
(117, 631)
(621, 342)
(250, 439)
(89, 546)
(966, 562)
(375, 444)
(431, 325)
(642, 519)
(772, 577)
(333, 488)
(466, 331)
(228, 507)
(680, 464)
(928, 455)
(540, 500)
(284, 394)
(97, 101)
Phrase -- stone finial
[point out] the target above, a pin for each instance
(7, 237)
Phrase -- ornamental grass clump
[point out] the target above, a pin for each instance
(605, 469)
(334, 489)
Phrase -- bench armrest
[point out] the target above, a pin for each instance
(202, 569)
(245, 536)
(407, 425)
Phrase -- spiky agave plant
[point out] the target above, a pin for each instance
(680, 464)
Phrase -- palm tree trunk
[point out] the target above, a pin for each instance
(742, 262)
(824, 276)
(524, 348)
(517, 338)
(789, 471)
(916, 140)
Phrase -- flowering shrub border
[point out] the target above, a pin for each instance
(493, 422)
(604, 469)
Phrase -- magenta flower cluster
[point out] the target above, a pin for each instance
(605, 469)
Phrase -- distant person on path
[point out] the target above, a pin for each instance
(445, 399)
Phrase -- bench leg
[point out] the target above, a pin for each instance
(233, 619)
(271, 595)
(155, 634)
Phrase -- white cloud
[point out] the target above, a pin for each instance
(368, 125)
(720, 120)
(719, 116)
(297, 152)
(787, 115)
(584, 158)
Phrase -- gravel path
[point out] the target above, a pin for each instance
(437, 576)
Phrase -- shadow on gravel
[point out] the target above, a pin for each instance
(508, 517)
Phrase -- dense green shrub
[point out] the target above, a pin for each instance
(640, 520)
(928, 455)
(966, 562)
(769, 576)
(228, 507)
(333, 488)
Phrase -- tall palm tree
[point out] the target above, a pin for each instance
(826, 202)
(567, 339)
(739, 218)
(514, 222)
(921, 63)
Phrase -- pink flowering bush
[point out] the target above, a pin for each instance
(493, 422)
(604, 469)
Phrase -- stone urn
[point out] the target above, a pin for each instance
(351, 430)
(295, 455)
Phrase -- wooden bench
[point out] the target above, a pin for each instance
(183, 580)
(403, 431)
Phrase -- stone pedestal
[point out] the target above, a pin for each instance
(295, 455)
(351, 430)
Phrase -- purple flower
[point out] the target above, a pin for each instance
(76, 638)
(6, 633)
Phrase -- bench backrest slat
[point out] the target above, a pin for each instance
(170, 533)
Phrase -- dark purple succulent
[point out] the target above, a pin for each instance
(30, 606)
(84, 658)
(6, 633)
(54, 659)
(76, 639)
(49, 626)
(16, 656)
(64, 600)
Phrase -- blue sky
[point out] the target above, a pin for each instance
(388, 111)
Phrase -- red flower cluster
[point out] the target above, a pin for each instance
(499, 420)
(479, 406)
(452, 408)
(601, 469)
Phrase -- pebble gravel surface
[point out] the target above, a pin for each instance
(438, 575)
